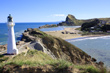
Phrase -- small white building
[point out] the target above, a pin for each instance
(11, 45)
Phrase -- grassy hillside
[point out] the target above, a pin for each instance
(36, 60)
(62, 49)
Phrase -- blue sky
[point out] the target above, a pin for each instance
(52, 10)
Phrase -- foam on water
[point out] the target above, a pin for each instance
(88, 38)
(18, 34)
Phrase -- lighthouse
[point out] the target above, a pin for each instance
(11, 45)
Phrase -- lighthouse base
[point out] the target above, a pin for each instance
(13, 51)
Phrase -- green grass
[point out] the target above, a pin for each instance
(78, 29)
(3, 58)
(94, 33)
(37, 58)
(90, 69)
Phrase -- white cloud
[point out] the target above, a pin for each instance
(59, 15)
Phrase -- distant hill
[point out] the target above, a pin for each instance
(72, 21)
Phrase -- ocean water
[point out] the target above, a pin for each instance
(97, 47)
(19, 29)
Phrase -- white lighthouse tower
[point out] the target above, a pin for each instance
(11, 47)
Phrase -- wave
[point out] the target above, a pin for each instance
(2, 43)
(88, 38)
(18, 34)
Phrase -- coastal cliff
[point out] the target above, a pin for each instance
(72, 21)
(55, 54)
(59, 47)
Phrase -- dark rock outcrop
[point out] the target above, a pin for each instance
(96, 26)
(86, 26)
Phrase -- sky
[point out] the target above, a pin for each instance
(53, 10)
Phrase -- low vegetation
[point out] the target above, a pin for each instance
(3, 58)
(78, 29)
(48, 26)
(34, 58)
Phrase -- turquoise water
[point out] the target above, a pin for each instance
(97, 47)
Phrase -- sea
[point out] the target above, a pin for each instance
(19, 29)
(97, 47)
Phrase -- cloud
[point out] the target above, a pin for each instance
(59, 15)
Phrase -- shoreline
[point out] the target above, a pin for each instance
(75, 34)
(86, 37)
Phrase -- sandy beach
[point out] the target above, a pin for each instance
(70, 33)
(67, 33)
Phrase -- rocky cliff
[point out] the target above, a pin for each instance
(59, 47)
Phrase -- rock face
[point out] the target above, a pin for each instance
(60, 48)
(72, 21)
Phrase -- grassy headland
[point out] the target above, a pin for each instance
(69, 59)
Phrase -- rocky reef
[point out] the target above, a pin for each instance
(48, 26)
